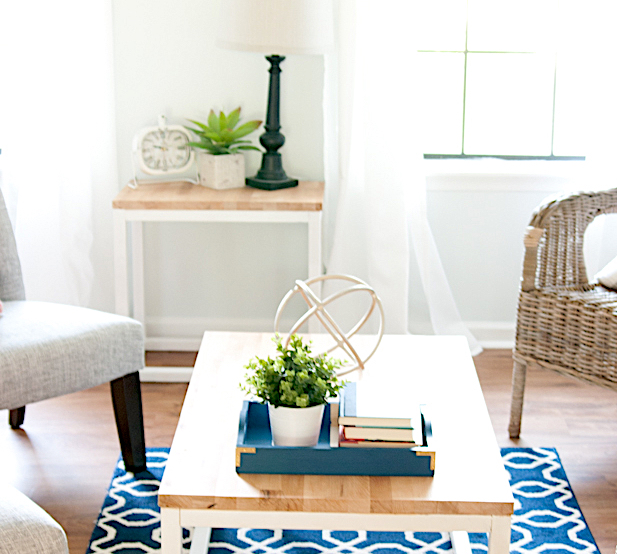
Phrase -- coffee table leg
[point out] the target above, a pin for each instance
(200, 540)
(499, 538)
(171, 531)
(460, 542)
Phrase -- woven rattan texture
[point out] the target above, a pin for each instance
(564, 322)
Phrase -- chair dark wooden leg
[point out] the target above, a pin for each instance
(16, 417)
(126, 398)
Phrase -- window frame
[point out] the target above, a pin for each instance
(462, 155)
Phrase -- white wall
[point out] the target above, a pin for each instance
(229, 276)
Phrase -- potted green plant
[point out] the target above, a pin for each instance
(219, 149)
(296, 385)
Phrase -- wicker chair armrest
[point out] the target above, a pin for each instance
(554, 238)
(530, 261)
(587, 203)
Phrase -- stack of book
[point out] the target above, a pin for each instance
(369, 418)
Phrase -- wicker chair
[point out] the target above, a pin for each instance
(564, 323)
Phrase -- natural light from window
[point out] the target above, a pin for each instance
(499, 78)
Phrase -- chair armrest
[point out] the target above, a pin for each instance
(530, 261)
(554, 239)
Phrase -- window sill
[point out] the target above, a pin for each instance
(504, 175)
(496, 166)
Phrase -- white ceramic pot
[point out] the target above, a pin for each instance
(295, 426)
(221, 172)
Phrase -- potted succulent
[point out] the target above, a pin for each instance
(219, 149)
(296, 385)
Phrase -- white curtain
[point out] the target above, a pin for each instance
(593, 48)
(57, 139)
(376, 217)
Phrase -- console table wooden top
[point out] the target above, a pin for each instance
(307, 196)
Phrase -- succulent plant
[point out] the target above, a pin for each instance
(221, 135)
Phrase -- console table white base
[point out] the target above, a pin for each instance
(129, 271)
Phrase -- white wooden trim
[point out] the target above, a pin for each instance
(338, 521)
(121, 271)
(137, 258)
(184, 333)
(315, 268)
(493, 334)
(173, 344)
(460, 542)
(154, 374)
(233, 216)
(494, 167)
(171, 531)
(200, 540)
(499, 539)
(135, 305)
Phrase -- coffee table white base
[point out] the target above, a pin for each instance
(173, 519)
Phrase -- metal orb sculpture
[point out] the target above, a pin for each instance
(318, 308)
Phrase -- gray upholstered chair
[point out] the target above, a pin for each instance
(47, 350)
(565, 323)
(26, 528)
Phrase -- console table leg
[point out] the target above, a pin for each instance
(499, 538)
(200, 540)
(171, 531)
(315, 267)
(460, 542)
(137, 256)
(121, 272)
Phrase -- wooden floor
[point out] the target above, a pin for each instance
(64, 456)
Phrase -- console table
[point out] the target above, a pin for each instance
(182, 201)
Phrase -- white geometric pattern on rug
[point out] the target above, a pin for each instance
(547, 519)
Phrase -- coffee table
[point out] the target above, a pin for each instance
(469, 491)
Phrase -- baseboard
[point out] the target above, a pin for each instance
(153, 374)
(493, 334)
(184, 335)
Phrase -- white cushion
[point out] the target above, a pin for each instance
(607, 276)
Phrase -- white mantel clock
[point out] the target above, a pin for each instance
(163, 153)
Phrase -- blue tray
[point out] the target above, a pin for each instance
(256, 454)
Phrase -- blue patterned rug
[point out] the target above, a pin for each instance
(546, 518)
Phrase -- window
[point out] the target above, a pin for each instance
(499, 78)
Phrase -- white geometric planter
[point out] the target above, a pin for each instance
(295, 426)
(221, 172)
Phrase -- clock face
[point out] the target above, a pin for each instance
(165, 150)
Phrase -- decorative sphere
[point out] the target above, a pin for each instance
(317, 308)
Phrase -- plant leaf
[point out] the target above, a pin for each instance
(214, 137)
(204, 127)
(213, 122)
(233, 118)
(247, 128)
(227, 136)
(222, 121)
